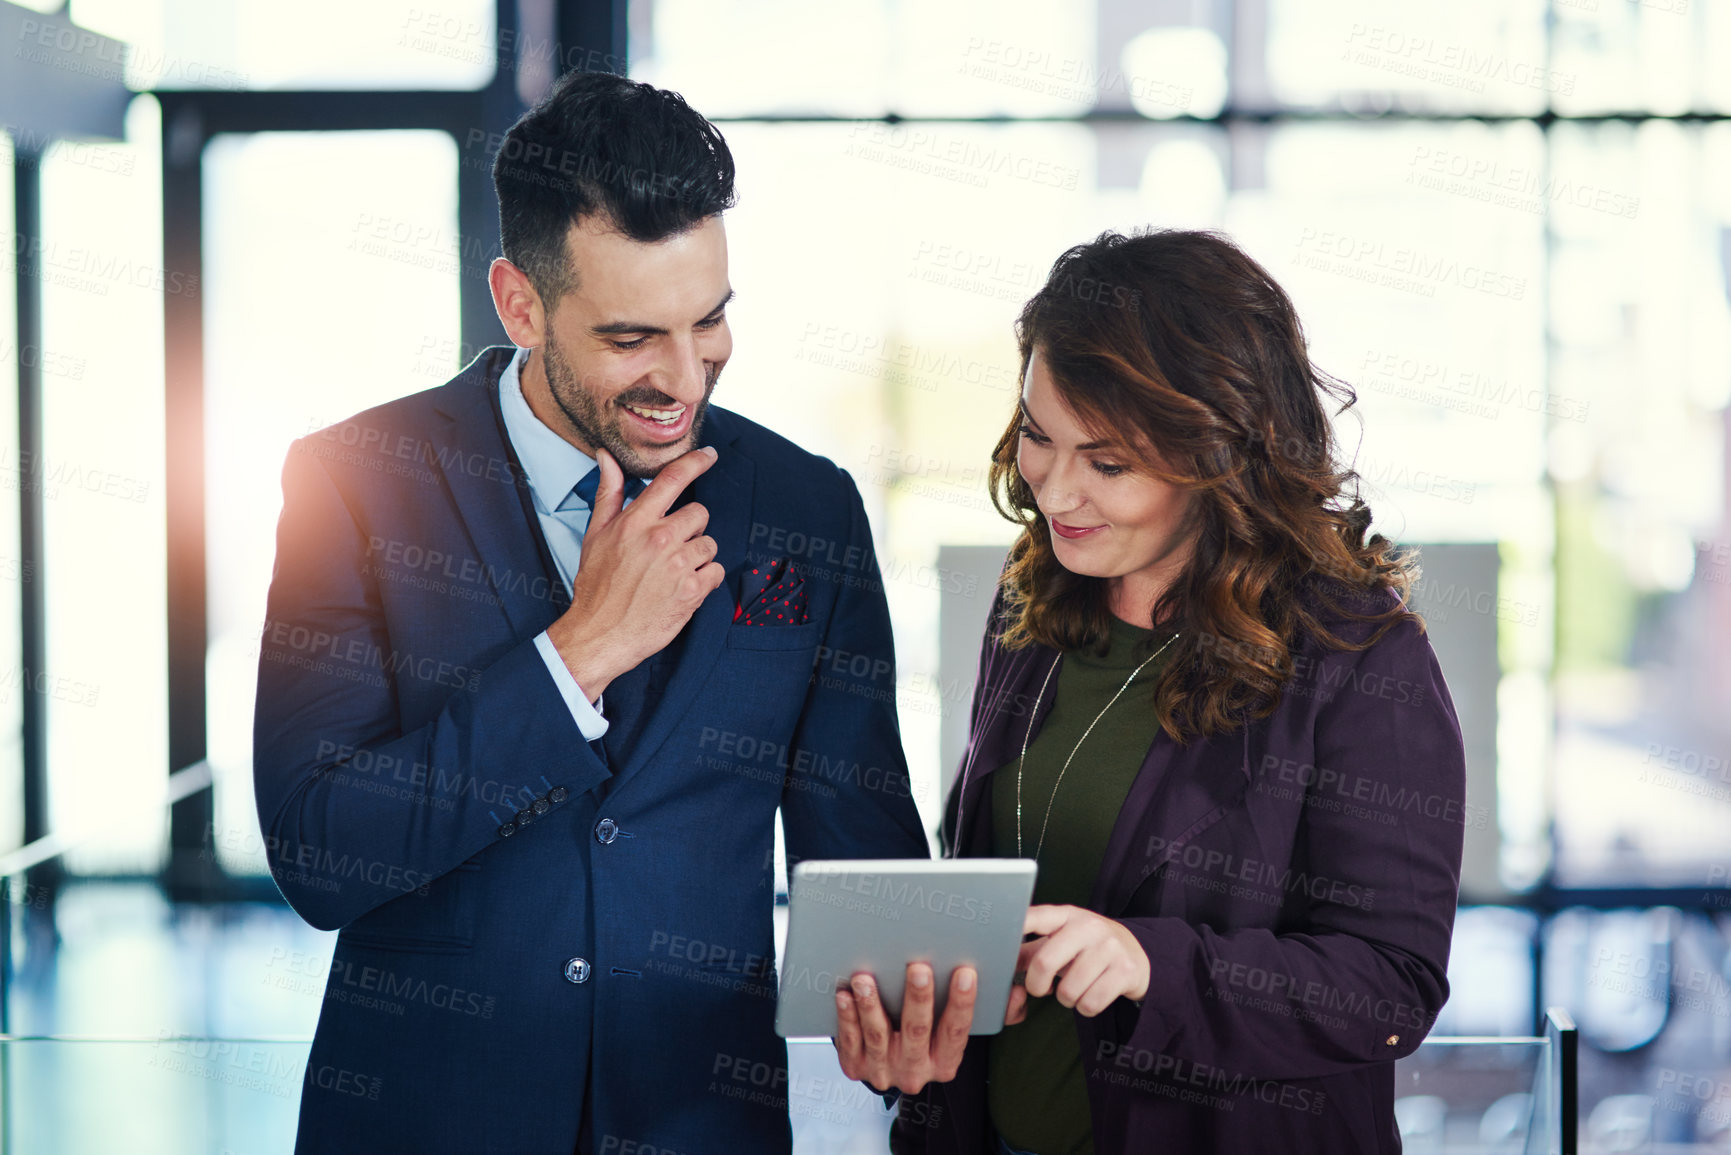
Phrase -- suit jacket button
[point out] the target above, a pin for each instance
(540, 806)
(507, 830)
(525, 816)
(606, 831)
(577, 970)
(557, 794)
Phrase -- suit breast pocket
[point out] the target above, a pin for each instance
(753, 697)
(801, 637)
(442, 921)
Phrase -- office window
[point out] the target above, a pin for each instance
(1480, 56)
(103, 281)
(310, 44)
(332, 264)
(1667, 56)
(1026, 58)
(1643, 347)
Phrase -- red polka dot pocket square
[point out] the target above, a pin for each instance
(772, 595)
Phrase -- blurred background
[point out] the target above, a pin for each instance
(1506, 223)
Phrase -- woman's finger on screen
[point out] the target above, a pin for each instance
(1045, 919)
(1083, 972)
(1057, 951)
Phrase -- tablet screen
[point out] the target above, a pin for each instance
(878, 915)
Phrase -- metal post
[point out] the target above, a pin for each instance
(33, 658)
(188, 876)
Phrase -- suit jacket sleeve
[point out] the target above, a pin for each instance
(1357, 981)
(335, 772)
(848, 794)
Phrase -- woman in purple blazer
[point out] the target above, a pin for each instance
(1204, 708)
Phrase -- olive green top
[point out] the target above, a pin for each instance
(1037, 1091)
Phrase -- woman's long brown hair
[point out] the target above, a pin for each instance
(1179, 343)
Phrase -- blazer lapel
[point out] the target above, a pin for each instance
(725, 490)
(484, 477)
(1180, 792)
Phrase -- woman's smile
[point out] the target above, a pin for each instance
(1073, 532)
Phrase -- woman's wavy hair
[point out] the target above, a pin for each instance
(1182, 346)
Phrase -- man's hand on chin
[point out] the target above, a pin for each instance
(642, 574)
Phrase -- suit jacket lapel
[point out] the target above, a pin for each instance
(484, 477)
(650, 709)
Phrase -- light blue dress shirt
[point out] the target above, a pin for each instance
(554, 467)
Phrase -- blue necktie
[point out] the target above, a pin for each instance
(591, 482)
(585, 491)
(575, 508)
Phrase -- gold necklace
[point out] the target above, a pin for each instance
(1030, 732)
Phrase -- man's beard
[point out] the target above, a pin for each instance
(599, 425)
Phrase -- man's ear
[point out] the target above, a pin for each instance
(517, 303)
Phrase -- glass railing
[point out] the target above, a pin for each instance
(1499, 1096)
(163, 1096)
(178, 1096)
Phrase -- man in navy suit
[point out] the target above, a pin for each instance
(523, 726)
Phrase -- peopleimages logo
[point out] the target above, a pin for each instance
(893, 892)
(1188, 1081)
(1312, 993)
(1259, 875)
(1401, 267)
(1371, 796)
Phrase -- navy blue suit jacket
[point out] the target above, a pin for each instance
(423, 788)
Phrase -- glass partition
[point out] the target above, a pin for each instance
(163, 1096)
(1501, 1096)
(173, 1094)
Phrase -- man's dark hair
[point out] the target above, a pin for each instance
(600, 143)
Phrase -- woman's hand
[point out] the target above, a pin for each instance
(1092, 959)
(910, 1058)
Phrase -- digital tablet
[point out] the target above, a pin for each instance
(878, 915)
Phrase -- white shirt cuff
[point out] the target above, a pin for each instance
(587, 717)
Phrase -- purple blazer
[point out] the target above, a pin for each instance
(1294, 884)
